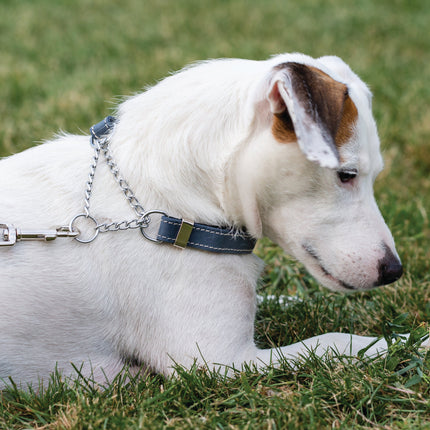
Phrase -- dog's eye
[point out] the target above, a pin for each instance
(346, 175)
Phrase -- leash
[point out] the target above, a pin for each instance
(180, 233)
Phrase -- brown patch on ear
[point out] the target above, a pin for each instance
(346, 126)
(325, 99)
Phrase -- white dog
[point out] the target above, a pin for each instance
(285, 148)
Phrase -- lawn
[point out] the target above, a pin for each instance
(65, 64)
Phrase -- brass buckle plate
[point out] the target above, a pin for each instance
(184, 234)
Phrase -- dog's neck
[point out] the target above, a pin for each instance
(159, 160)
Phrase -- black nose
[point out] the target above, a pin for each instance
(390, 268)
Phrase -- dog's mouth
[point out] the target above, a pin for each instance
(312, 252)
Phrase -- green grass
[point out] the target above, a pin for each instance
(62, 66)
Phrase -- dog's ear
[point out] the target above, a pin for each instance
(308, 106)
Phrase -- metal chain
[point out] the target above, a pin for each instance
(129, 195)
(123, 225)
(89, 184)
(142, 221)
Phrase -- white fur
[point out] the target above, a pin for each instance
(198, 146)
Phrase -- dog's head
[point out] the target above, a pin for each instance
(306, 176)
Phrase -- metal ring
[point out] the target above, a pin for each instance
(146, 216)
(97, 231)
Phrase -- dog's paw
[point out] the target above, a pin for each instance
(374, 349)
(425, 339)
(425, 344)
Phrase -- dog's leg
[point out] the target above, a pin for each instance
(337, 343)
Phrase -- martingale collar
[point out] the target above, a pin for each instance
(183, 233)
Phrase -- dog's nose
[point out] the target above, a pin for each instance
(390, 268)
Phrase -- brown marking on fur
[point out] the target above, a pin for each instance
(346, 126)
(325, 99)
(282, 127)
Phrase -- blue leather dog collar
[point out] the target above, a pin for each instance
(183, 234)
